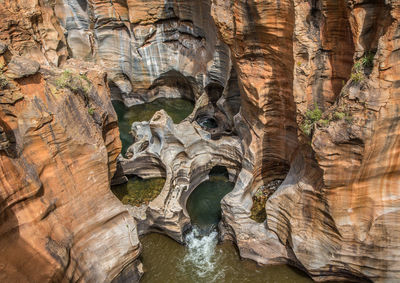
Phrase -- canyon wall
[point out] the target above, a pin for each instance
(149, 48)
(304, 93)
(58, 149)
(336, 210)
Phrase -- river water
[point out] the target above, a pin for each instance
(202, 259)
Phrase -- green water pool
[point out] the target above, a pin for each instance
(203, 205)
(203, 259)
(138, 191)
(177, 108)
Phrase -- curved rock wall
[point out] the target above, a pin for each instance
(146, 46)
(335, 213)
(58, 217)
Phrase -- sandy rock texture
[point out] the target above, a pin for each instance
(30, 28)
(336, 210)
(58, 149)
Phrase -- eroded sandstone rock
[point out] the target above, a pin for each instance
(149, 48)
(58, 216)
(182, 153)
(327, 219)
(20, 67)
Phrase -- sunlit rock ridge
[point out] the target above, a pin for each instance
(305, 97)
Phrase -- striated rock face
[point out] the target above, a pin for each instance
(58, 150)
(260, 38)
(150, 48)
(323, 50)
(260, 69)
(336, 211)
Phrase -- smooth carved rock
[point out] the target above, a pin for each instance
(20, 67)
(147, 47)
(182, 153)
(58, 216)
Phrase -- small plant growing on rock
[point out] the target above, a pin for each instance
(312, 116)
(76, 83)
(360, 66)
(357, 77)
(367, 60)
(315, 114)
(324, 122)
(91, 111)
(3, 81)
(261, 196)
(63, 80)
(339, 115)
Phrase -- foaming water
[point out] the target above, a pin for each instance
(201, 259)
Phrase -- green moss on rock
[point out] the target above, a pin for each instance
(261, 196)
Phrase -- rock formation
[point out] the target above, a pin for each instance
(150, 48)
(184, 154)
(58, 153)
(304, 97)
(335, 210)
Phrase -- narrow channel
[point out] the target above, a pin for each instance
(203, 259)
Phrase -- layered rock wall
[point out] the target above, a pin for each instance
(149, 48)
(58, 153)
(338, 192)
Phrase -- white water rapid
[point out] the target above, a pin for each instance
(202, 257)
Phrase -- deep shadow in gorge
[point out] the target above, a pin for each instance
(204, 203)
